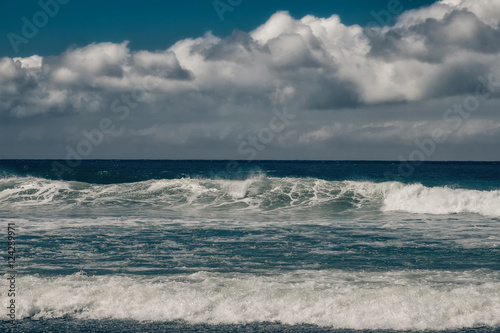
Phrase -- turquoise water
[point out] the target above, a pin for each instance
(262, 246)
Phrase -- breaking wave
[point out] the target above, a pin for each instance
(257, 194)
(356, 300)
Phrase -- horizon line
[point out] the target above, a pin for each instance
(246, 161)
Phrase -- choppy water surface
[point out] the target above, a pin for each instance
(304, 246)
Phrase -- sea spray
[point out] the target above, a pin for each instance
(258, 194)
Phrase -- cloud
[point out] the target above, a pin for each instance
(378, 79)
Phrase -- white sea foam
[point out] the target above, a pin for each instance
(259, 194)
(417, 198)
(357, 300)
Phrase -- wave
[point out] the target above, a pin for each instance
(256, 194)
(355, 300)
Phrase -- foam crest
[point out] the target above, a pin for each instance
(31, 191)
(256, 194)
(356, 300)
(419, 199)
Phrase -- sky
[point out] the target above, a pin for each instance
(249, 80)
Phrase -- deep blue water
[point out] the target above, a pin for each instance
(260, 246)
(476, 175)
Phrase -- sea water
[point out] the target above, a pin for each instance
(252, 246)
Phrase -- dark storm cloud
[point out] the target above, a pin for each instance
(474, 34)
(345, 87)
(458, 79)
(459, 30)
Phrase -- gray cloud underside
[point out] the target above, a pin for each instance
(354, 92)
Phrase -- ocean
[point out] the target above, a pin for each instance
(262, 246)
